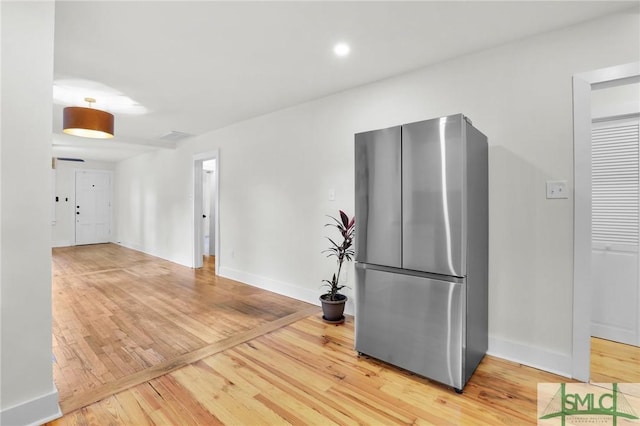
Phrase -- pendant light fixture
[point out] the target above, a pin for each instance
(87, 122)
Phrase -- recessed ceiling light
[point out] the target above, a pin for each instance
(341, 49)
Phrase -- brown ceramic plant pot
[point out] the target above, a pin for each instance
(333, 310)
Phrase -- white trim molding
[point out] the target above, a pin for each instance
(521, 353)
(65, 243)
(34, 412)
(279, 287)
(143, 249)
(532, 356)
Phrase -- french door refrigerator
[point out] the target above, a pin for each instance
(422, 247)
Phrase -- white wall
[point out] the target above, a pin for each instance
(153, 204)
(63, 229)
(276, 172)
(27, 392)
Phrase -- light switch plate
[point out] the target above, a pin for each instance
(557, 189)
(332, 194)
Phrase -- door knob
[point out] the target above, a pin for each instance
(204, 216)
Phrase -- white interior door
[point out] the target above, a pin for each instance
(93, 207)
(615, 263)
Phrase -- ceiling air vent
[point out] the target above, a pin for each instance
(174, 136)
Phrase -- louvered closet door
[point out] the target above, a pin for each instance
(615, 197)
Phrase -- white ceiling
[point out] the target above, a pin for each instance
(199, 66)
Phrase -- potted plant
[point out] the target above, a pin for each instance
(333, 301)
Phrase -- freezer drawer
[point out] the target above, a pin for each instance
(378, 197)
(412, 322)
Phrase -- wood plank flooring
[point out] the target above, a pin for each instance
(118, 312)
(298, 370)
(613, 362)
(307, 373)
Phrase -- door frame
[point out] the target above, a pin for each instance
(583, 84)
(196, 216)
(75, 201)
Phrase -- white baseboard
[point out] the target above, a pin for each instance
(617, 334)
(542, 359)
(61, 244)
(279, 287)
(144, 250)
(531, 356)
(34, 412)
(133, 246)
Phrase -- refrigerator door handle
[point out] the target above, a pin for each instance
(450, 278)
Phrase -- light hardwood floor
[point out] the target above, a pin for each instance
(613, 362)
(118, 312)
(298, 370)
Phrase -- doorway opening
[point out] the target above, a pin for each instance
(615, 222)
(583, 84)
(209, 177)
(206, 217)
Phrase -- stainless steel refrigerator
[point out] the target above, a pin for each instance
(422, 247)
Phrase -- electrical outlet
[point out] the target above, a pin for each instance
(557, 189)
